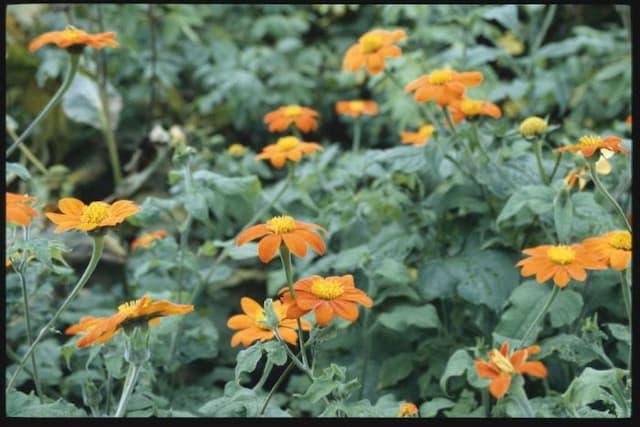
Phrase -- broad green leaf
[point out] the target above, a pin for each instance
(395, 369)
(196, 204)
(430, 408)
(506, 15)
(400, 317)
(275, 353)
(568, 347)
(565, 308)
(525, 303)
(23, 405)
(459, 363)
(587, 387)
(248, 359)
(537, 198)
(246, 185)
(82, 104)
(18, 170)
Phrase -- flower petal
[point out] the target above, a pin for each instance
(268, 246)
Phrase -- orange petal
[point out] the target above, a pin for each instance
(535, 368)
(70, 206)
(240, 321)
(313, 239)
(252, 233)
(324, 313)
(484, 370)
(268, 246)
(250, 306)
(288, 335)
(345, 309)
(500, 385)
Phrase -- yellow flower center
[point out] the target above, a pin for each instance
(129, 307)
(326, 289)
(590, 141)
(532, 126)
(426, 130)
(356, 106)
(71, 32)
(502, 362)
(95, 213)
(292, 111)
(561, 254)
(370, 43)
(470, 107)
(621, 240)
(236, 149)
(281, 224)
(287, 143)
(440, 77)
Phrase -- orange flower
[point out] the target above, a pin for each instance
(501, 367)
(288, 147)
(371, 50)
(72, 36)
(305, 118)
(628, 120)
(560, 262)
(326, 296)
(460, 109)
(76, 214)
(418, 138)
(356, 107)
(251, 324)
(295, 235)
(17, 208)
(613, 247)
(589, 144)
(603, 167)
(408, 410)
(146, 239)
(101, 329)
(443, 86)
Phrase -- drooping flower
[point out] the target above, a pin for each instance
(371, 50)
(418, 138)
(613, 247)
(236, 150)
(287, 148)
(18, 208)
(305, 118)
(559, 262)
(408, 410)
(328, 296)
(356, 108)
(77, 215)
(251, 326)
(72, 36)
(502, 367)
(443, 85)
(533, 126)
(603, 167)
(590, 144)
(294, 234)
(146, 239)
(465, 107)
(101, 329)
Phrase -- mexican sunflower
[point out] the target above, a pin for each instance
(418, 138)
(613, 247)
(77, 215)
(559, 262)
(18, 208)
(305, 118)
(101, 329)
(146, 239)
(443, 86)
(326, 297)
(589, 144)
(463, 108)
(251, 326)
(371, 50)
(356, 108)
(72, 36)
(296, 236)
(603, 167)
(501, 367)
(287, 148)
(408, 410)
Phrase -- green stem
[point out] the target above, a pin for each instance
(275, 386)
(27, 317)
(365, 354)
(555, 167)
(129, 384)
(357, 130)
(603, 190)
(476, 137)
(543, 174)
(545, 308)
(265, 374)
(626, 296)
(447, 116)
(486, 403)
(186, 229)
(541, 34)
(303, 367)
(107, 129)
(28, 154)
(285, 257)
(68, 78)
(98, 244)
(517, 392)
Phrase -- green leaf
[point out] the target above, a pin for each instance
(619, 332)
(563, 215)
(276, 353)
(394, 272)
(586, 388)
(536, 198)
(459, 363)
(81, 103)
(28, 405)
(568, 347)
(506, 15)
(18, 170)
(525, 304)
(196, 204)
(246, 185)
(395, 369)
(331, 379)
(565, 308)
(248, 359)
(430, 409)
(402, 316)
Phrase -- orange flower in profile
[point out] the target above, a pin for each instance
(146, 239)
(101, 329)
(589, 144)
(304, 118)
(418, 138)
(559, 262)
(287, 148)
(327, 297)
(408, 410)
(371, 50)
(501, 367)
(443, 86)
(72, 36)
(77, 215)
(18, 209)
(603, 167)
(463, 108)
(613, 247)
(296, 236)
(251, 324)
(356, 108)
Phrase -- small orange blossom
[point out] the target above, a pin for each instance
(72, 36)
(443, 85)
(613, 247)
(287, 148)
(356, 108)
(304, 118)
(371, 50)
(18, 209)
(77, 215)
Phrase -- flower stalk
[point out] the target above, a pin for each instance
(357, 130)
(519, 395)
(545, 308)
(543, 174)
(626, 297)
(27, 319)
(608, 196)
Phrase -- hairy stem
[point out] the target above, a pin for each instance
(357, 130)
(545, 308)
(608, 196)
(543, 174)
(129, 384)
(285, 257)
(27, 319)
